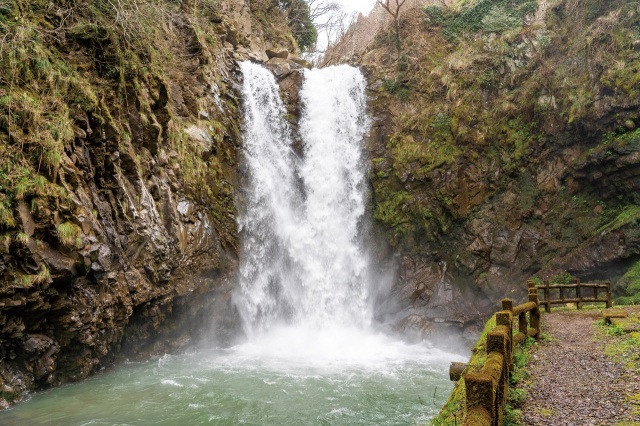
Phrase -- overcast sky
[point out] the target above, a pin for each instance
(363, 6)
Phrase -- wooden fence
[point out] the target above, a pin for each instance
(577, 293)
(487, 389)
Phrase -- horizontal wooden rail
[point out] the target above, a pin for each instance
(487, 389)
(584, 285)
(578, 297)
(525, 307)
(455, 370)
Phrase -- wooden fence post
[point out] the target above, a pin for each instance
(480, 394)
(505, 318)
(579, 296)
(609, 304)
(455, 370)
(497, 341)
(534, 316)
(522, 323)
(487, 389)
(547, 296)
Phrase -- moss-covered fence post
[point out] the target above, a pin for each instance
(482, 392)
(522, 323)
(547, 296)
(498, 341)
(504, 318)
(486, 390)
(534, 315)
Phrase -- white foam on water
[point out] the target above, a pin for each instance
(171, 383)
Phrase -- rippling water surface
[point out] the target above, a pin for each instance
(377, 381)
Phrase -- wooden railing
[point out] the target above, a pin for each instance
(487, 389)
(577, 293)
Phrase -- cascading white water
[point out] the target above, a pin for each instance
(304, 259)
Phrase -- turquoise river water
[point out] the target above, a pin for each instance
(398, 385)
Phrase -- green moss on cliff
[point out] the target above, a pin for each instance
(492, 110)
(470, 16)
(128, 78)
(630, 281)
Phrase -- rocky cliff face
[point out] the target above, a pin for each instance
(505, 146)
(119, 133)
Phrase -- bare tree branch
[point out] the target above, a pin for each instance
(393, 8)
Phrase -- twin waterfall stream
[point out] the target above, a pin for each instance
(304, 262)
(312, 353)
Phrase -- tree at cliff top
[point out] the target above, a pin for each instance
(298, 14)
(393, 8)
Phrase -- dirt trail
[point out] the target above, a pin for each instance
(573, 382)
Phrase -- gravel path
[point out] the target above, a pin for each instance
(573, 382)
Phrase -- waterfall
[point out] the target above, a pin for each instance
(304, 294)
(304, 260)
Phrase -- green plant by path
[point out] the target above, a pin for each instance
(454, 410)
(518, 377)
(621, 346)
(630, 282)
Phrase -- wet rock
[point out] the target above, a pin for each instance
(290, 86)
(300, 61)
(425, 302)
(37, 343)
(202, 139)
(28, 224)
(282, 68)
(280, 53)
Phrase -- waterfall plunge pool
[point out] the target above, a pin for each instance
(290, 377)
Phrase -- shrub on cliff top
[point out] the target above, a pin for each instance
(299, 19)
(485, 15)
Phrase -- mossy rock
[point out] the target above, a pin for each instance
(629, 324)
(609, 314)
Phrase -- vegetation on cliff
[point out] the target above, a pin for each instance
(119, 129)
(508, 137)
(69, 71)
(298, 16)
